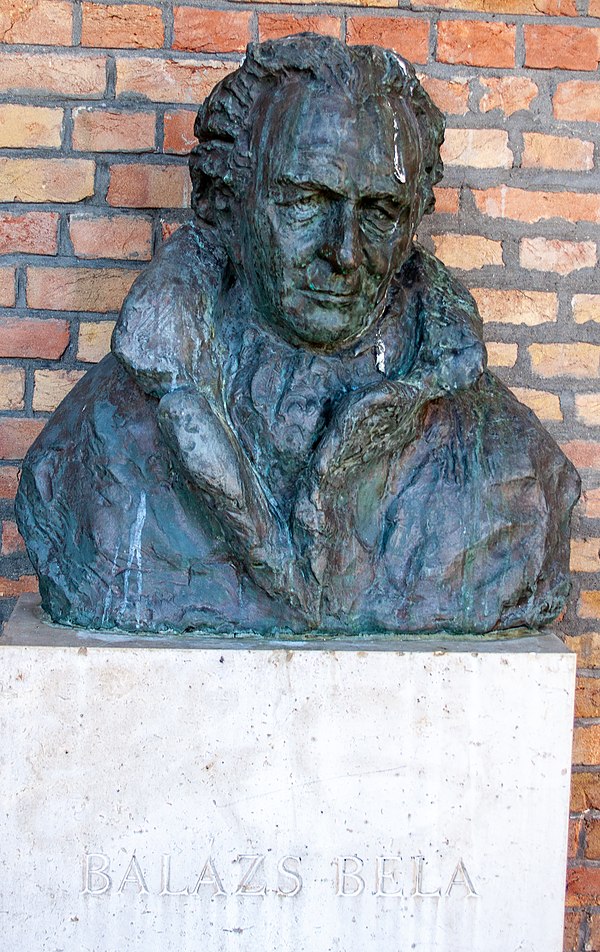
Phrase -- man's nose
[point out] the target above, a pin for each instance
(342, 241)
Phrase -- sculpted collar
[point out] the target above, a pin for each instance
(429, 335)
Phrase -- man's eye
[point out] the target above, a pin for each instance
(302, 207)
(297, 199)
(305, 200)
(379, 219)
(379, 213)
(305, 205)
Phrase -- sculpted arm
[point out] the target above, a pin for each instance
(212, 459)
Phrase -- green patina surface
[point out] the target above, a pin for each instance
(296, 432)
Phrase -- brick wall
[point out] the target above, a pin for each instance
(97, 104)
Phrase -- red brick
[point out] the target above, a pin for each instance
(447, 200)
(587, 703)
(468, 252)
(586, 307)
(24, 337)
(17, 435)
(476, 43)
(585, 557)
(575, 827)
(106, 130)
(120, 236)
(349, 3)
(210, 31)
(594, 8)
(594, 933)
(583, 886)
(591, 503)
(527, 206)
(577, 100)
(501, 354)
(513, 306)
(272, 26)
(30, 233)
(168, 228)
(477, 148)
(561, 47)
(7, 287)
(563, 257)
(78, 289)
(46, 180)
(52, 386)
(585, 792)
(179, 131)
(94, 340)
(546, 406)
(565, 8)
(11, 539)
(49, 22)
(508, 93)
(405, 35)
(12, 587)
(556, 152)
(71, 76)
(572, 929)
(29, 127)
(586, 744)
(123, 26)
(9, 480)
(587, 409)
(449, 95)
(582, 454)
(12, 388)
(161, 80)
(149, 186)
(566, 360)
(589, 607)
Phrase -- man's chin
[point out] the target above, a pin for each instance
(325, 327)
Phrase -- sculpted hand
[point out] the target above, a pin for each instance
(202, 444)
(368, 423)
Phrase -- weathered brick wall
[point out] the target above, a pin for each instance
(96, 112)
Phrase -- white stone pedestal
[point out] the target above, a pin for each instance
(376, 797)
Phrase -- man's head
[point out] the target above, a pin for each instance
(318, 161)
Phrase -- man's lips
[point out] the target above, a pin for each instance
(326, 296)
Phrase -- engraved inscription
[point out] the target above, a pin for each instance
(165, 878)
(134, 877)
(384, 876)
(348, 880)
(461, 877)
(289, 868)
(419, 890)
(209, 876)
(248, 885)
(96, 880)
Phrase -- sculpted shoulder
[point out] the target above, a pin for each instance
(451, 354)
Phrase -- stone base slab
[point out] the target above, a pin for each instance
(396, 796)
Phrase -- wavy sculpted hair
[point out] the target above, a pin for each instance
(221, 164)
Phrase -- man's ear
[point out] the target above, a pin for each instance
(228, 213)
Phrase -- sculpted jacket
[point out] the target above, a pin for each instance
(208, 475)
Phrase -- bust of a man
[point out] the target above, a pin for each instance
(296, 430)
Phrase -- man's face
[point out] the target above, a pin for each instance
(330, 216)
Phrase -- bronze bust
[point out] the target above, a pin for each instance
(296, 430)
